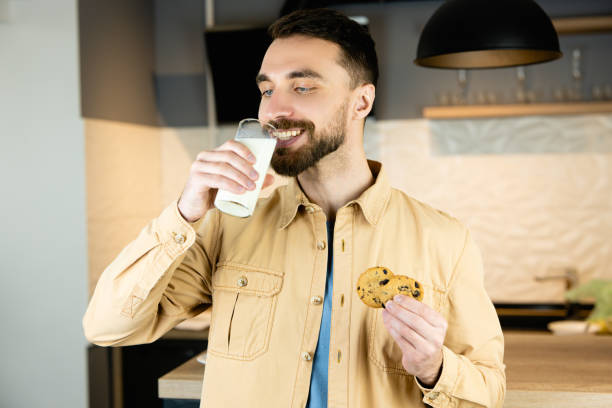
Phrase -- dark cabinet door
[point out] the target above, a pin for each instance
(126, 377)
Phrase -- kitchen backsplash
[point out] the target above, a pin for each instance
(536, 192)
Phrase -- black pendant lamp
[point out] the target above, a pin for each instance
(464, 34)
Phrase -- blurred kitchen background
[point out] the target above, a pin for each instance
(105, 105)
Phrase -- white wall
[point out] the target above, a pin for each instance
(43, 267)
(535, 192)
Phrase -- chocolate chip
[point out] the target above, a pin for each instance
(358, 288)
(383, 282)
(405, 288)
(385, 271)
(416, 293)
(416, 285)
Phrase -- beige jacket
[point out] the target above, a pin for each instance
(265, 276)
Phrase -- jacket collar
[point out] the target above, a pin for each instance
(372, 201)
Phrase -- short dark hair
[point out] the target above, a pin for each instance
(358, 48)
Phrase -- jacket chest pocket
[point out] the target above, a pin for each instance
(244, 301)
(383, 351)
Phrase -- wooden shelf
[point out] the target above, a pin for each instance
(498, 111)
(566, 25)
(583, 25)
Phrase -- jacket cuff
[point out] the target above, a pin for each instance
(176, 233)
(441, 394)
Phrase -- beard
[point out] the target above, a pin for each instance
(291, 163)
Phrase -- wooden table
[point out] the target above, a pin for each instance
(542, 370)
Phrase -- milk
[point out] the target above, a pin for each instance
(242, 205)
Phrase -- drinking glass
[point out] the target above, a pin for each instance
(257, 138)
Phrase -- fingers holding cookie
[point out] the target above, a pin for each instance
(421, 310)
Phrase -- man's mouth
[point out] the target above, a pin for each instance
(286, 134)
(287, 137)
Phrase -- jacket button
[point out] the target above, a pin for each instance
(242, 281)
(321, 245)
(306, 356)
(309, 209)
(179, 238)
(316, 300)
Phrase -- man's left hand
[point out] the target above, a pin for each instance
(419, 331)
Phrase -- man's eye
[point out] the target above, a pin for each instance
(302, 89)
(267, 92)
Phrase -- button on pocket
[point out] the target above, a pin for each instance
(244, 300)
(242, 281)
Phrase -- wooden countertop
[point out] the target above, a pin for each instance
(543, 362)
(542, 370)
(184, 382)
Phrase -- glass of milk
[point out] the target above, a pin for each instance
(257, 138)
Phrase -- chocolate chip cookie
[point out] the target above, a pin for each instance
(378, 285)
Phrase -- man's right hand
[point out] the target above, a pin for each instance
(228, 167)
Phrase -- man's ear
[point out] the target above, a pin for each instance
(364, 100)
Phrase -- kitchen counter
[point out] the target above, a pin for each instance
(542, 370)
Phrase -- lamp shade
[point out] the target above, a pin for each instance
(487, 34)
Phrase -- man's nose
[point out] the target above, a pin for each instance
(276, 106)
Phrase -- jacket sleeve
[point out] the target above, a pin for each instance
(160, 279)
(473, 373)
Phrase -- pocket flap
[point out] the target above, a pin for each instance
(246, 279)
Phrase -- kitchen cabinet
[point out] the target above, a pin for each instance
(126, 377)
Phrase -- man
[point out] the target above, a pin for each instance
(288, 328)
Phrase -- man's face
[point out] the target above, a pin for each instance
(305, 96)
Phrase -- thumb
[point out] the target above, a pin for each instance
(269, 180)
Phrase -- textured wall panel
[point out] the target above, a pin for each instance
(535, 192)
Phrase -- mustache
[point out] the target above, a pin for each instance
(283, 123)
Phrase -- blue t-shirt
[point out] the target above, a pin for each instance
(317, 397)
